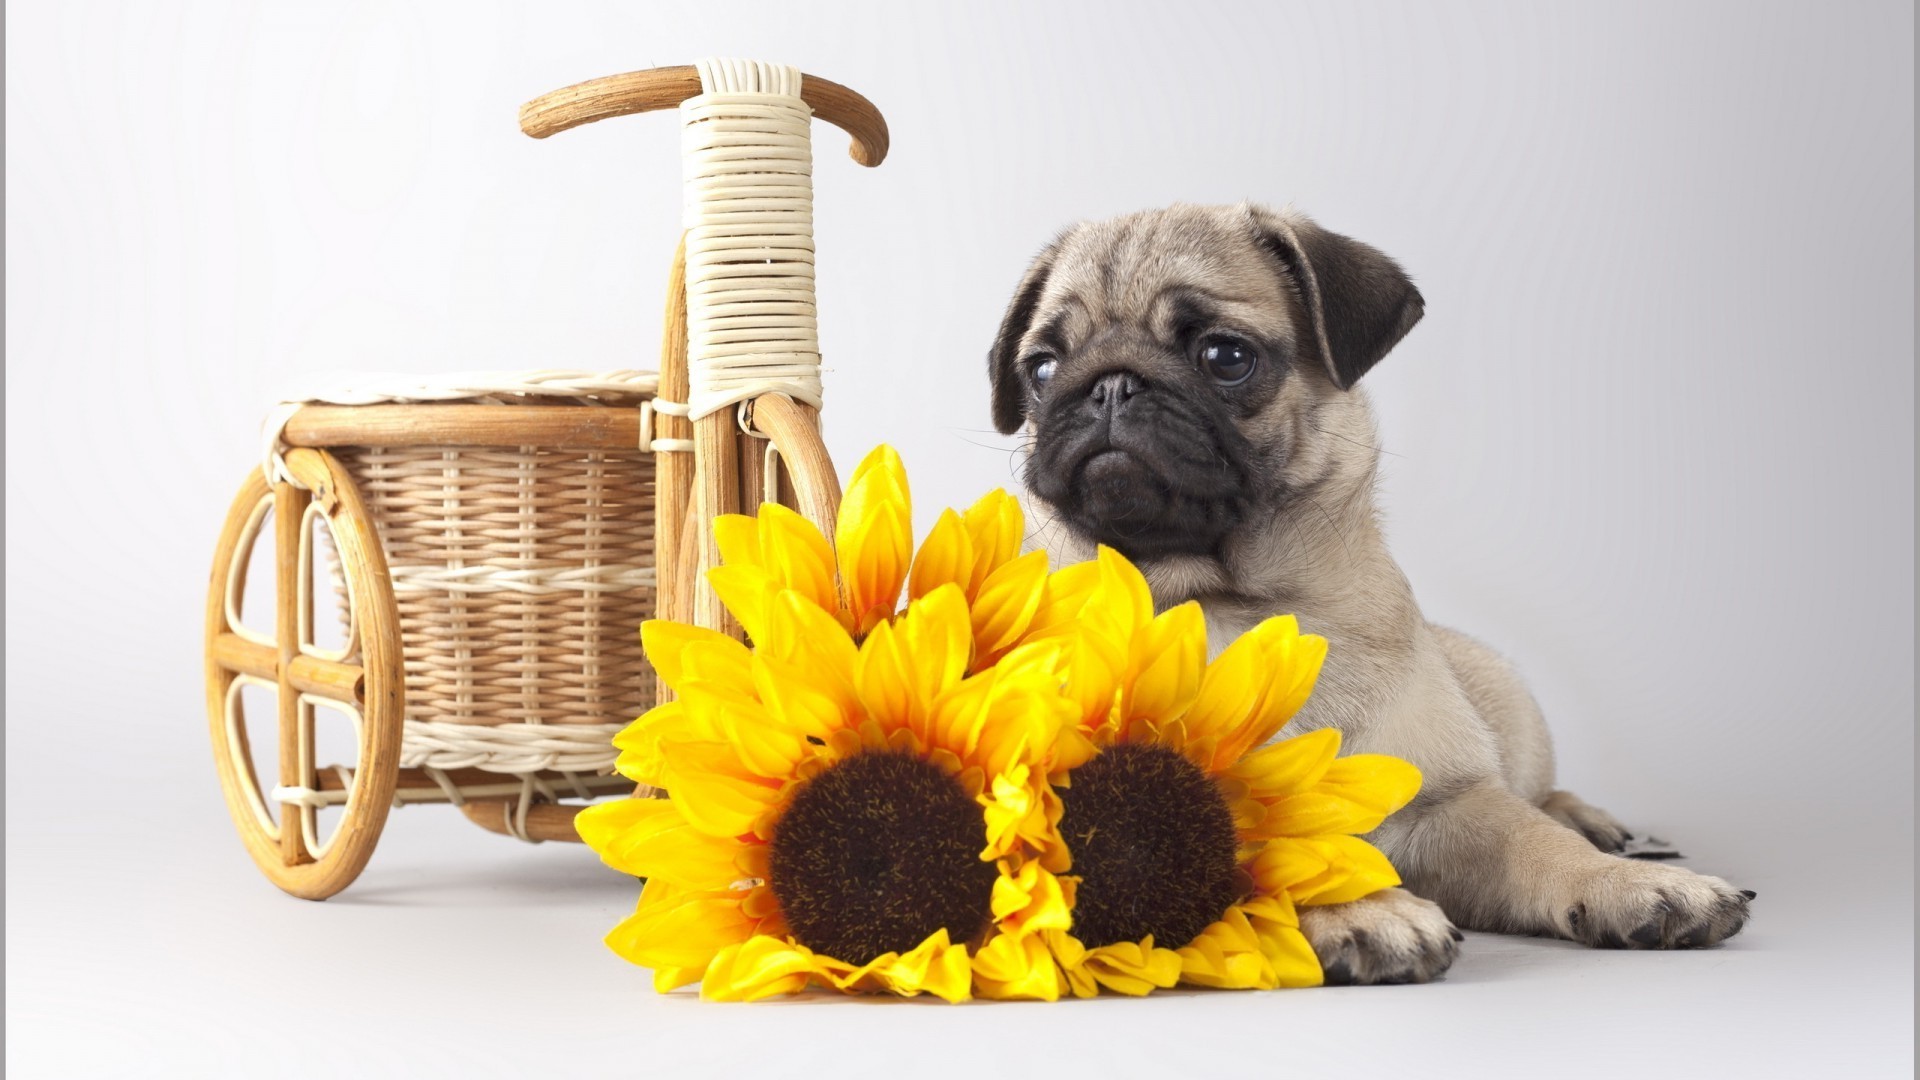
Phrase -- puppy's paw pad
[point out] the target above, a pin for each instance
(1389, 937)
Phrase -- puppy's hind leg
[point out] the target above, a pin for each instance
(1600, 828)
(1526, 750)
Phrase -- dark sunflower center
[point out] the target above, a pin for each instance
(877, 853)
(1154, 844)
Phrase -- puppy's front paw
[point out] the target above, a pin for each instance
(1391, 936)
(1637, 905)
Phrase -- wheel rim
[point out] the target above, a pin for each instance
(302, 676)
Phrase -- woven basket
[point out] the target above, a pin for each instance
(521, 575)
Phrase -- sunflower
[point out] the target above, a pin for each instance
(855, 796)
(1191, 843)
(1018, 785)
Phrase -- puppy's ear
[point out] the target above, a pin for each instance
(1360, 301)
(1003, 360)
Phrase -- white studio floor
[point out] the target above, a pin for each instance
(463, 954)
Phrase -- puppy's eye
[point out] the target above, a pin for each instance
(1228, 360)
(1041, 368)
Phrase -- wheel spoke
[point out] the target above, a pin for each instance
(330, 679)
(296, 721)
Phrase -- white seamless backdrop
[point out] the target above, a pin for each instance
(1654, 439)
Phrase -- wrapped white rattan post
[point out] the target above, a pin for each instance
(747, 147)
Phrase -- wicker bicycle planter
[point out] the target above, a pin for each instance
(493, 542)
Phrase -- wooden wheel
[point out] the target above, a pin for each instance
(364, 678)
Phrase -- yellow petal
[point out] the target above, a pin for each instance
(640, 743)
(1094, 684)
(904, 666)
(665, 643)
(1092, 659)
(683, 931)
(738, 538)
(1169, 656)
(1071, 749)
(1312, 813)
(1070, 955)
(802, 632)
(1124, 592)
(1009, 805)
(937, 633)
(1066, 595)
(1354, 795)
(1289, 955)
(1290, 767)
(1125, 967)
(720, 663)
(1261, 909)
(935, 966)
(873, 541)
(673, 978)
(1227, 956)
(761, 740)
(995, 527)
(1005, 604)
(649, 838)
(759, 967)
(1230, 689)
(1010, 714)
(1284, 864)
(1031, 898)
(1292, 663)
(1255, 687)
(1107, 621)
(799, 558)
(802, 699)
(645, 743)
(747, 591)
(711, 791)
(1376, 781)
(885, 679)
(1350, 869)
(949, 974)
(945, 558)
(1014, 968)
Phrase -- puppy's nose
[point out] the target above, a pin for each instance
(1113, 390)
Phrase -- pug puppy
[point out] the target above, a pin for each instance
(1186, 382)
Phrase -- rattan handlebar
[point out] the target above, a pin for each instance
(666, 87)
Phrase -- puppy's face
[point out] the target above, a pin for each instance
(1171, 366)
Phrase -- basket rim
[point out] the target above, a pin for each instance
(378, 388)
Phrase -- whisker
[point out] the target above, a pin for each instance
(1338, 533)
(984, 446)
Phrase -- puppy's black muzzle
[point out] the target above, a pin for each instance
(1145, 469)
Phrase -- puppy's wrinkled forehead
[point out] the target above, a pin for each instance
(1152, 271)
